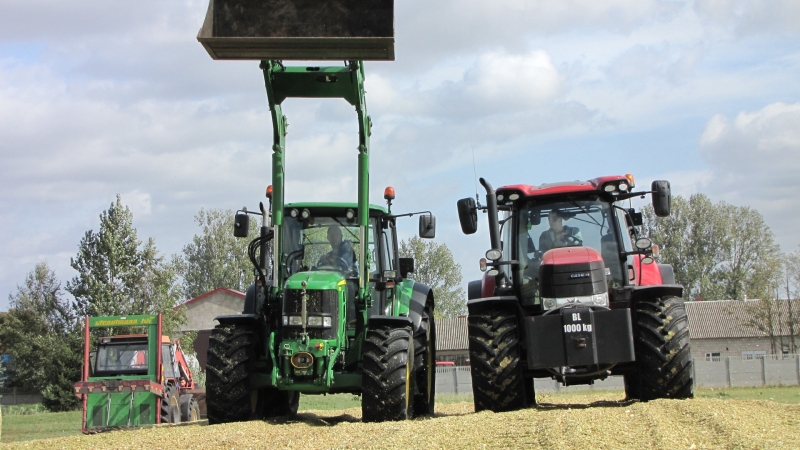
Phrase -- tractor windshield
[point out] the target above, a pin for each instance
(542, 227)
(121, 359)
(325, 243)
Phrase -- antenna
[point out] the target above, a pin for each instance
(475, 174)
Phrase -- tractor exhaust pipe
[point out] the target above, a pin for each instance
(491, 207)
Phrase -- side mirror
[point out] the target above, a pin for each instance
(662, 196)
(468, 215)
(241, 225)
(406, 267)
(427, 226)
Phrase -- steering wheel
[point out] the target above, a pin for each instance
(338, 264)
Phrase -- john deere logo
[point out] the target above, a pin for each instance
(579, 275)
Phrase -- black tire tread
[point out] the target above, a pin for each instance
(494, 352)
(386, 352)
(663, 351)
(227, 373)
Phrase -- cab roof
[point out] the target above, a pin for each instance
(595, 185)
(334, 205)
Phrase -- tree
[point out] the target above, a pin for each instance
(215, 258)
(43, 335)
(434, 266)
(717, 250)
(118, 276)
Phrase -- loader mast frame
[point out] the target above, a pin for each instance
(346, 82)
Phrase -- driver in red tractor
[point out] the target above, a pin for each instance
(559, 235)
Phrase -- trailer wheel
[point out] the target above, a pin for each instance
(228, 394)
(498, 383)
(190, 409)
(663, 351)
(388, 380)
(425, 365)
(170, 405)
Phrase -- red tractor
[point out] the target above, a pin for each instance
(572, 292)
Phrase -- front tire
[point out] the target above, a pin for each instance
(663, 351)
(388, 379)
(498, 383)
(228, 394)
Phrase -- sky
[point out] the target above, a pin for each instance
(102, 98)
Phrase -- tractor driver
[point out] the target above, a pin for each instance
(559, 235)
(341, 255)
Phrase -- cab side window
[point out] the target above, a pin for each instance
(388, 238)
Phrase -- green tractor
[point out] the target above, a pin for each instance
(332, 309)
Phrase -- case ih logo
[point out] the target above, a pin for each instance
(578, 275)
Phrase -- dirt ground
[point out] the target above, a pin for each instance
(574, 422)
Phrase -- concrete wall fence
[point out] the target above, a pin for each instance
(731, 371)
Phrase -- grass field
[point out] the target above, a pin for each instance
(52, 425)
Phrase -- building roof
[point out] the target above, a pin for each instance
(722, 319)
(209, 293)
(451, 334)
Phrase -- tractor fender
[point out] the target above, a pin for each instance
(476, 306)
(667, 274)
(421, 297)
(664, 290)
(474, 289)
(233, 319)
(250, 300)
(393, 321)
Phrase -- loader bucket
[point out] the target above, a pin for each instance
(299, 29)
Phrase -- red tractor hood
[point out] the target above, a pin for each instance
(571, 255)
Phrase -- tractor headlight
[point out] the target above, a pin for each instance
(295, 321)
(314, 321)
(326, 322)
(600, 299)
(549, 303)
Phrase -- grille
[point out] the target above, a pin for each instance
(326, 302)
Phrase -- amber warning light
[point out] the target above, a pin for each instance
(269, 192)
(388, 193)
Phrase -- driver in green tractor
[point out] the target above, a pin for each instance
(342, 255)
(559, 235)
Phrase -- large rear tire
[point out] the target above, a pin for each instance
(388, 381)
(274, 403)
(425, 365)
(663, 351)
(228, 394)
(498, 382)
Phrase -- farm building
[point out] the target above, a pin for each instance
(201, 311)
(744, 329)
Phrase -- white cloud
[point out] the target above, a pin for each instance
(755, 159)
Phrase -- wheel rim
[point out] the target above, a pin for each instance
(408, 384)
